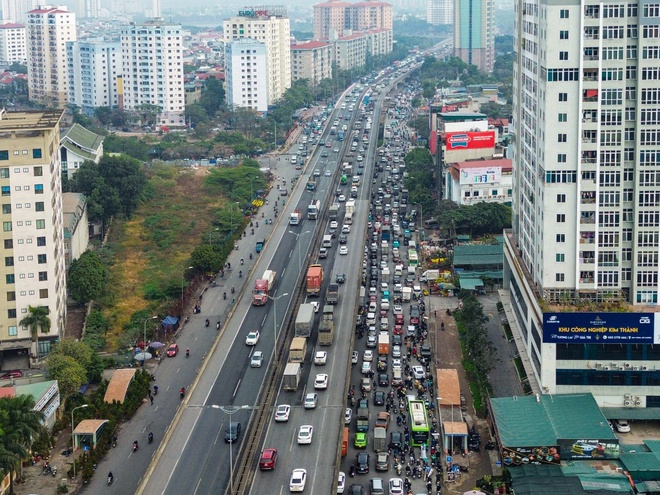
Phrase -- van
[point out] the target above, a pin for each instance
(396, 377)
(294, 159)
(327, 241)
(431, 223)
(376, 486)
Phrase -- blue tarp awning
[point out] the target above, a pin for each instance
(170, 320)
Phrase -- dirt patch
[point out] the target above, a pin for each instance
(75, 319)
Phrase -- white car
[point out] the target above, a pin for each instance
(327, 173)
(622, 426)
(257, 359)
(282, 413)
(305, 433)
(252, 338)
(348, 415)
(396, 486)
(366, 368)
(341, 482)
(334, 224)
(343, 250)
(385, 304)
(396, 364)
(396, 351)
(355, 357)
(321, 381)
(320, 358)
(298, 479)
(398, 310)
(368, 356)
(311, 399)
(418, 372)
(341, 198)
(346, 229)
(316, 305)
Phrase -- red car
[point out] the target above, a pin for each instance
(398, 319)
(172, 350)
(268, 459)
(398, 329)
(11, 374)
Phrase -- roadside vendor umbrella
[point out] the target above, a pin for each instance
(143, 356)
(156, 345)
(474, 492)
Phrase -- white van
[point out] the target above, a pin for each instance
(396, 376)
(294, 159)
(327, 241)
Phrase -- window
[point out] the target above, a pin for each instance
(41, 224)
(647, 278)
(563, 35)
(39, 206)
(38, 171)
(6, 226)
(9, 261)
(9, 278)
(36, 153)
(561, 138)
(11, 296)
(562, 117)
(563, 14)
(6, 190)
(43, 276)
(13, 330)
(4, 173)
(559, 277)
(6, 209)
(38, 189)
(561, 158)
(11, 313)
(43, 293)
(560, 257)
(561, 198)
(9, 244)
(608, 279)
(4, 155)
(563, 96)
(561, 218)
(560, 238)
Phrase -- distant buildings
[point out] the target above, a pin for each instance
(270, 27)
(17, 10)
(12, 44)
(93, 68)
(339, 18)
(48, 30)
(34, 267)
(474, 32)
(440, 12)
(152, 69)
(246, 74)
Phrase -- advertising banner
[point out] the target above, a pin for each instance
(602, 328)
(516, 456)
(589, 449)
(481, 175)
(470, 140)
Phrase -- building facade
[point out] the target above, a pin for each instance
(337, 18)
(93, 69)
(48, 30)
(76, 226)
(152, 69)
(474, 32)
(17, 10)
(312, 61)
(12, 44)
(77, 146)
(581, 261)
(476, 181)
(246, 74)
(440, 12)
(351, 51)
(34, 272)
(269, 26)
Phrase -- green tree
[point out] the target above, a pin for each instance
(87, 277)
(131, 146)
(103, 115)
(37, 320)
(196, 114)
(68, 372)
(205, 259)
(213, 96)
(148, 113)
(79, 351)
(20, 424)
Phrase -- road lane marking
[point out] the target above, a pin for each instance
(236, 389)
(263, 320)
(199, 482)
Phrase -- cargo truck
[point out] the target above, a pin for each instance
(304, 320)
(407, 294)
(380, 439)
(314, 209)
(350, 206)
(295, 217)
(383, 344)
(291, 377)
(297, 350)
(430, 276)
(314, 280)
(385, 274)
(332, 297)
(327, 326)
(311, 183)
(362, 423)
(385, 233)
(333, 211)
(263, 287)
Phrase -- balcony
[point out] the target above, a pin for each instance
(588, 197)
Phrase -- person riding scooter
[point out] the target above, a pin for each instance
(135, 446)
(182, 392)
(224, 295)
(111, 478)
(188, 350)
(150, 437)
(207, 323)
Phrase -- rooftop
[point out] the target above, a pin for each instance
(31, 119)
(82, 142)
(505, 163)
(11, 25)
(309, 45)
(527, 421)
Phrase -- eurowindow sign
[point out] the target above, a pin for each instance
(262, 11)
(601, 328)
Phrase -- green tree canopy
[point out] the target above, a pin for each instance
(205, 259)
(68, 372)
(87, 277)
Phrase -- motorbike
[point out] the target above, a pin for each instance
(250, 255)
(207, 322)
(114, 439)
(111, 480)
(240, 274)
(135, 446)
(151, 437)
(155, 389)
(188, 351)
(351, 472)
(257, 224)
(182, 393)
(224, 295)
(232, 290)
(242, 261)
(214, 284)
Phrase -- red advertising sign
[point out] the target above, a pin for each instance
(469, 140)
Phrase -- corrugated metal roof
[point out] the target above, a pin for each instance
(631, 412)
(478, 254)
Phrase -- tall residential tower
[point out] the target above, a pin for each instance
(474, 32)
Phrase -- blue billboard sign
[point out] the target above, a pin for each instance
(601, 328)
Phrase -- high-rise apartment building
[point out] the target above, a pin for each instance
(17, 10)
(312, 61)
(93, 69)
(12, 44)
(474, 32)
(581, 262)
(48, 30)
(88, 9)
(32, 233)
(339, 18)
(246, 74)
(439, 12)
(271, 27)
(152, 69)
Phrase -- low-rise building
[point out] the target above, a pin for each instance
(78, 145)
(476, 181)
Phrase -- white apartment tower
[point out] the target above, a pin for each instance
(12, 44)
(33, 237)
(152, 69)
(48, 30)
(586, 197)
(440, 12)
(17, 10)
(93, 68)
(270, 27)
(246, 74)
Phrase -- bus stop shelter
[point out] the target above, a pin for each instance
(87, 432)
(449, 410)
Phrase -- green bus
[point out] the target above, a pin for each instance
(413, 260)
(419, 423)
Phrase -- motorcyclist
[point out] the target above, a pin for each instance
(182, 392)
(135, 445)
(151, 437)
(232, 290)
(242, 261)
(155, 389)
(207, 322)
(250, 255)
(111, 477)
(240, 273)
(187, 352)
(224, 295)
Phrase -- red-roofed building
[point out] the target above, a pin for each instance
(311, 60)
(351, 50)
(476, 181)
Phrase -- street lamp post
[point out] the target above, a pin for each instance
(298, 235)
(183, 275)
(274, 299)
(144, 340)
(211, 232)
(73, 441)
